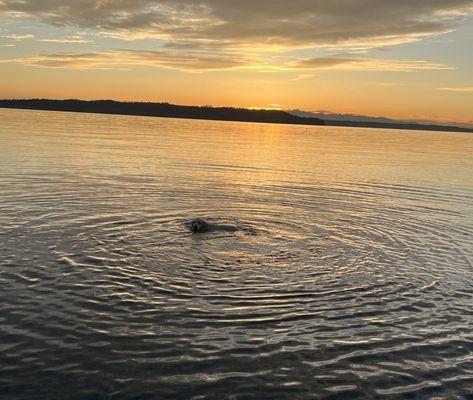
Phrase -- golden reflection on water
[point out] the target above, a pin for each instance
(249, 152)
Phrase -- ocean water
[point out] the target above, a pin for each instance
(352, 277)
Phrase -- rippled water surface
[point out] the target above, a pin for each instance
(352, 278)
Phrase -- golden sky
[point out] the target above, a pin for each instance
(401, 59)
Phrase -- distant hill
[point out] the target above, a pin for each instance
(362, 121)
(164, 110)
(341, 117)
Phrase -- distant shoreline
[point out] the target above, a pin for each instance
(166, 110)
(402, 126)
(163, 110)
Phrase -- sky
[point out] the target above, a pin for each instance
(403, 59)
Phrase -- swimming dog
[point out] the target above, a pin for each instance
(199, 225)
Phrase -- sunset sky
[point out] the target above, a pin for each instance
(405, 59)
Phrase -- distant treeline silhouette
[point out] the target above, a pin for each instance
(161, 110)
(167, 110)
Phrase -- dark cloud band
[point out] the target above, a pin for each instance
(268, 22)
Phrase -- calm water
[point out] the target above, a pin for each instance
(356, 282)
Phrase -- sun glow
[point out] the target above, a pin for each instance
(305, 55)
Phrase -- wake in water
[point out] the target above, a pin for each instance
(200, 225)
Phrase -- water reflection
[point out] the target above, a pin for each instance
(356, 283)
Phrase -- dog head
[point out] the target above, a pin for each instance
(198, 225)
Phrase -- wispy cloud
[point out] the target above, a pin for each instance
(17, 37)
(203, 61)
(366, 64)
(466, 89)
(70, 39)
(302, 77)
(119, 59)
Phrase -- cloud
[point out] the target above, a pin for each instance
(365, 64)
(466, 89)
(70, 39)
(17, 37)
(120, 59)
(200, 35)
(302, 77)
(323, 62)
(279, 23)
(198, 61)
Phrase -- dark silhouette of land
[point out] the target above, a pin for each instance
(166, 110)
(363, 121)
(407, 126)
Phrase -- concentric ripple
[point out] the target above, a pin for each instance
(351, 277)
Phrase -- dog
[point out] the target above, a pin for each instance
(199, 225)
